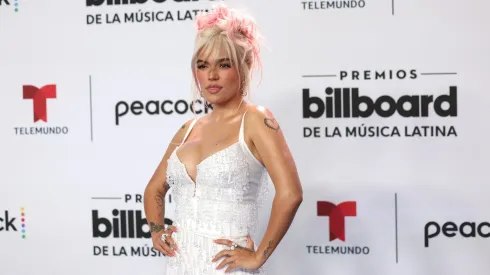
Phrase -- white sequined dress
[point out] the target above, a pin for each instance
(223, 202)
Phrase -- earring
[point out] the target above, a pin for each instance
(242, 89)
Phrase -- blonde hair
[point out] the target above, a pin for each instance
(225, 30)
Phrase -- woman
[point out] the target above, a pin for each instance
(217, 164)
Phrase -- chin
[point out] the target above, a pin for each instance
(216, 99)
(216, 102)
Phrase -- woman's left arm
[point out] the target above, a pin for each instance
(269, 141)
(270, 144)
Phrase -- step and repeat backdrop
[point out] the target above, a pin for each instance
(384, 104)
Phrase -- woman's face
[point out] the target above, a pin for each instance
(218, 78)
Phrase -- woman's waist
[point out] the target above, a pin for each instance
(221, 194)
(213, 229)
(202, 206)
(222, 231)
(215, 216)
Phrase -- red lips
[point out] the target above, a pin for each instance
(212, 89)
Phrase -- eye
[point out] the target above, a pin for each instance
(225, 65)
(201, 66)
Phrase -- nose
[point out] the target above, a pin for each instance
(213, 74)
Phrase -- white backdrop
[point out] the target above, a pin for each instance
(410, 181)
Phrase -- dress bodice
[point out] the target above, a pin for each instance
(224, 198)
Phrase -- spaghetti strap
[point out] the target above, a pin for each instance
(189, 130)
(241, 135)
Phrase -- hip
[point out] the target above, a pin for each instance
(196, 251)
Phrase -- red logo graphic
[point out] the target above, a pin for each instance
(337, 214)
(39, 97)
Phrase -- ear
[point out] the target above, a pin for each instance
(249, 63)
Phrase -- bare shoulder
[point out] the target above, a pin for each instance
(269, 144)
(263, 132)
(260, 118)
(159, 176)
(180, 134)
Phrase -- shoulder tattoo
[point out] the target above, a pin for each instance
(271, 123)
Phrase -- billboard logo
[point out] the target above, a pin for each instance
(111, 224)
(127, 2)
(124, 224)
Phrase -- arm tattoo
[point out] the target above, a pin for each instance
(156, 227)
(183, 126)
(266, 251)
(160, 203)
(272, 124)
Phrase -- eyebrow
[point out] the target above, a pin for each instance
(217, 61)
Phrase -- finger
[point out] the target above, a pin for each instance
(167, 249)
(226, 261)
(231, 267)
(160, 248)
(223, 242)
(171, 243)
(250, 243)
(168, 239)
(223, 253)
(171, 228)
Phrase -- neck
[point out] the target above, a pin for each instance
(228, 109)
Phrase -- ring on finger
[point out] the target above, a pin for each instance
(233, 245)
(164, 237)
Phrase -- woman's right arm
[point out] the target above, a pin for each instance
(154, 196)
